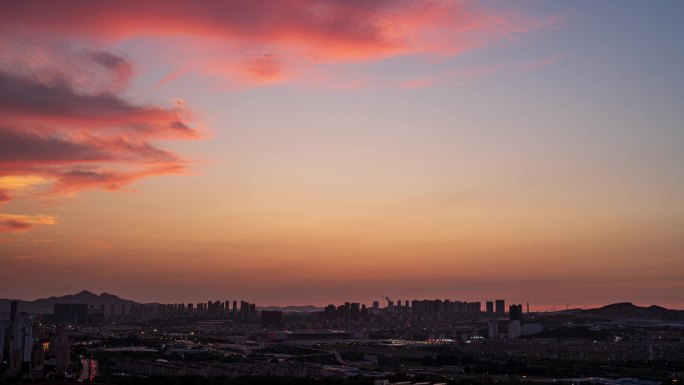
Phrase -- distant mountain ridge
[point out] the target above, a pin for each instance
(46, 305)
(628, 310)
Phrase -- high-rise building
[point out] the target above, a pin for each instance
(329, 312)
(15, 361)
(244, 310)
(493, 329)
(38, 361)
(63, 349)
(490, 307)
(514, 329)
(21, 347)
(515, 312)
(355, 310)
(500, 307)
(2, 341)
(534, 328)
(27, 340)
(13, 311)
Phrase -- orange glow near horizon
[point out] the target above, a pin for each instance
(298, 152)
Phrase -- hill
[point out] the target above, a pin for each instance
(46, 305)
(627, 310)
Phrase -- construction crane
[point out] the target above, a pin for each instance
(389, 302)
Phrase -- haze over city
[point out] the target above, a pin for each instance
(316, 152)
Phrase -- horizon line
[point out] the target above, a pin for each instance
(545, 308)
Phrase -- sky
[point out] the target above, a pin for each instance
(314, 152)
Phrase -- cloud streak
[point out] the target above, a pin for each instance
(57, 104)
(326, 28)
(68, 128)
(461, 76)
(278, 40)
(17, 223)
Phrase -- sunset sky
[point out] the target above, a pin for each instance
(314, 152)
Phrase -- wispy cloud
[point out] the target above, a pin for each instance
(14, 222)
(68, 128)
(460, 76)
(102, 245)
(541, 63)
(272, 41)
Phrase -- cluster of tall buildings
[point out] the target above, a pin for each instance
(439, 309)
(29, 342)
(435, 308)
(349, 310)
(223, 309)
(497, 307)
(20, 339)
(85, 314)
(71, 313)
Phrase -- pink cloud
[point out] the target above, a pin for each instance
(264, 68)
(271, 41)
(68, 131)
(25, 100)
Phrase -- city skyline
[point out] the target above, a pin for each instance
(497, 303)
(217, 339)
(298, 152)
